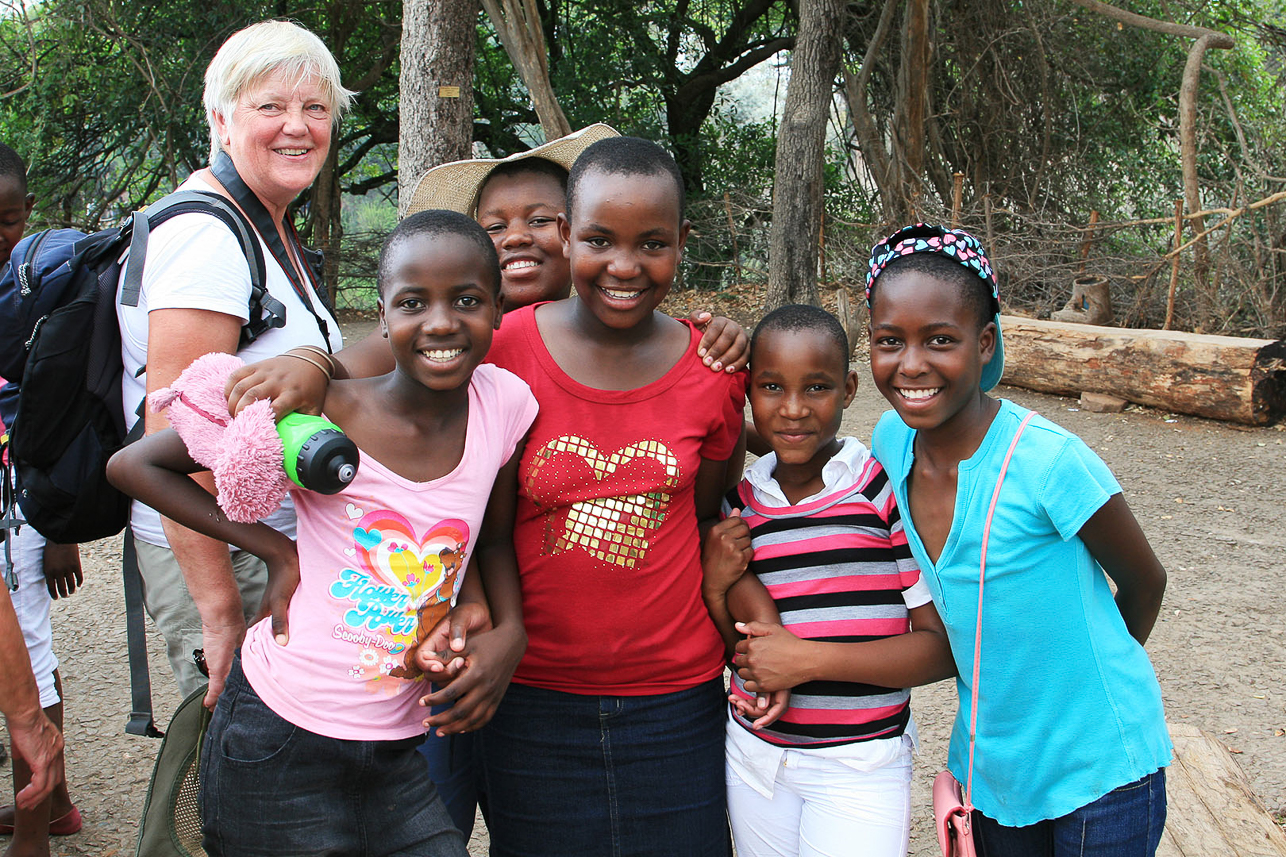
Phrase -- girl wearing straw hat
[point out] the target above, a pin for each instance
(517, 200)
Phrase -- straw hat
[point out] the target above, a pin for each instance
(455, 186)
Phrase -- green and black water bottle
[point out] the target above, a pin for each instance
(317, 454)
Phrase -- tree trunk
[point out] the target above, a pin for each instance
(869, 142)
(1221, 377)
(1188, 159)
(518, 24)
(436, 88)
(909, 123)
(325, 227)
(797, 195)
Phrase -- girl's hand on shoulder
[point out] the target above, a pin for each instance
(490, 658)
(724, 346)
(293, 385)
(441, 653)
(770, 658)
(725, 554)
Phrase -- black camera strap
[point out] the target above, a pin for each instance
(303, 279)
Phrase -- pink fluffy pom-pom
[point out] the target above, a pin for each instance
(249, 474)
(244, 452)
(198, 410)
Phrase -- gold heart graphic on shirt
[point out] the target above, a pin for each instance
(613, 529)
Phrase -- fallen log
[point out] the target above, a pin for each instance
(1220, 377)
(1213, 810)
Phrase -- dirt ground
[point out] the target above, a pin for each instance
(1209, 496)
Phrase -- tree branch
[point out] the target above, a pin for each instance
(1221, 40)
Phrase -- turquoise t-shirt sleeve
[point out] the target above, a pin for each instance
(1076, 485)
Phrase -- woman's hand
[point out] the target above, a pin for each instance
(40, 744)
(766, 709)
(219, 642)
(293, 385)
(724, 346)
(770, 658)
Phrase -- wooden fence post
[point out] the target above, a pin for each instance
(1088, 242)
(1174, 264)
(957, 191)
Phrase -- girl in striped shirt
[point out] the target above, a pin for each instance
(833, 624)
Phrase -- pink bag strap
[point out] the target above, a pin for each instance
(977, 633)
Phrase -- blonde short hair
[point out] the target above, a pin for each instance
(265, 48)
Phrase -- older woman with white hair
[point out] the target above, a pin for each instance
(273, 98)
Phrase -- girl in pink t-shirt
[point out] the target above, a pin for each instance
(407, 573)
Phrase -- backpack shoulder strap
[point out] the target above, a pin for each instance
(266, 312)
(140, 721)
(28, 273)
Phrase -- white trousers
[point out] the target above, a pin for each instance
(31, 602)
(824, 807)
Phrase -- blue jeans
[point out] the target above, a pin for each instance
(272, 789)
(616, 776)
(1126, 822)
(453, 766)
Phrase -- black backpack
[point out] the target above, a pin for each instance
(60, 344)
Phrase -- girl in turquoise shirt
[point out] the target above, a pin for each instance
(1071, 741)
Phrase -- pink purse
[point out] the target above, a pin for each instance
(952, 807)
(952, 817)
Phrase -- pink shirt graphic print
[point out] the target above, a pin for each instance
(401, 585)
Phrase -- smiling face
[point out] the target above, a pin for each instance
(624, 243)
(278, 136)
(800, 385)
(438, 307)
(520, 213)
(928, 350)
(15, 208)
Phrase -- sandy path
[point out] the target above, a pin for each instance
(1208, 495)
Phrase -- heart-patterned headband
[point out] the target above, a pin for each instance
(955, 244)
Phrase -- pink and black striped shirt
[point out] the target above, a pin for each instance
(839, 569)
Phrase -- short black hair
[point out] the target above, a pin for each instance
(528, 166)
(626, 156)
(435, 222)
(974, 291)
(533, 166)
(11, 165)
(796, 317)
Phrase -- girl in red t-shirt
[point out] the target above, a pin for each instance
(608, 739)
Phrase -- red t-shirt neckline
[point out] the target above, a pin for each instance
(547, 362)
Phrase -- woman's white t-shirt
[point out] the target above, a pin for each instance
(195, 262)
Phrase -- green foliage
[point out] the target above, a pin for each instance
(1048, 110)
(651, 69)
(112, 116)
